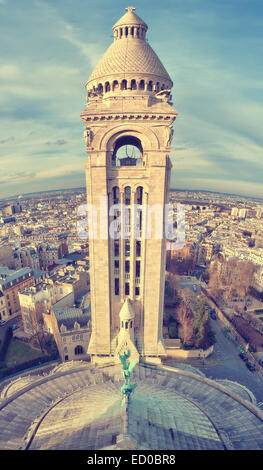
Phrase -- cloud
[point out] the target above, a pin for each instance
(212, 52)
(91, 51)
(57, 142)
(17, 177)
(7, 140)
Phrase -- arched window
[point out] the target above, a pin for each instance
(120, 32)
(133, 85)
(157, 87)
(115, 85)
(139, 193)
(100, 88)
(124, 85)
(150, 86)
(126, 31)
(107, 87)
(163, 87)
(127, 195)
(79, 350)
(142, 85)
(115, 192)
(132, 31)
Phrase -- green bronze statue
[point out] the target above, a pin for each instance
(127, 368)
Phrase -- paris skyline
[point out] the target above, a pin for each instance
(212, 52)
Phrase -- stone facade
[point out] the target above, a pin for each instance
(128, 107)
(10, 286)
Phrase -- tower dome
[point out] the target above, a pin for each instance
(129, 63)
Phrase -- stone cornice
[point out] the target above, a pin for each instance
(129, 117)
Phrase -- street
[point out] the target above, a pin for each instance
(225, 363)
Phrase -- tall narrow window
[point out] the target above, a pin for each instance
(127, 195)
(124, 85)
(133, 85)
(115, 85)
(127, 248)
(141, 85)
(138, 248)
(116, 247)
(150, 86)
(127, 288)
(138, 268)
(139, 192)
(117, 286)
(115, 192)
(127, 220)
(127, 266)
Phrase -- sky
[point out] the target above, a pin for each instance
(212, 49)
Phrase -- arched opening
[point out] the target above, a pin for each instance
(141, 85)
(120, 32)
(150, 86)
(163, 87)
(116, 194)
(139, 193)
(132, 31)
(79, 350)
(126, 31)
(157, 87)
(115, 85)
(124, 85)
(107, 87)
(127, 195)
(127, 152)
(100, 88)
(133, 85)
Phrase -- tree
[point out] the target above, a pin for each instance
(185, 317)
(229, 278)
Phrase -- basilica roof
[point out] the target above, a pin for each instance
(130, 55)
(169, 409)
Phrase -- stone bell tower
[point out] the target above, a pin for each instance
(128, 131)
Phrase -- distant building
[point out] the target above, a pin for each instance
(234, 211)
(11, 209)
(242, 213)
(26, 257)
(71, 328)
(49, 254)
(6, 256)
(34, 302)
(11, 283)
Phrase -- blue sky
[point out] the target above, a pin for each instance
(211, 49)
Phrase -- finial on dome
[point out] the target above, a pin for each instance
(130, 9)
